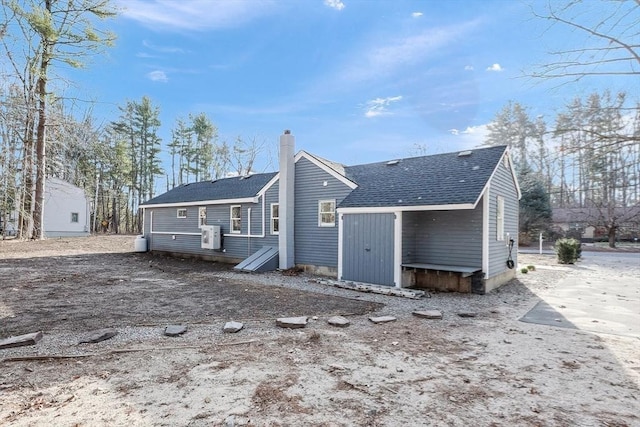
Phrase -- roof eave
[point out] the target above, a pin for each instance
(253, 199)
(389, 209)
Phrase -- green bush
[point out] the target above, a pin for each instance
(524, 270)
(531, 267)
(568, 250)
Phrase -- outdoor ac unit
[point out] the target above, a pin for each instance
(210, 237)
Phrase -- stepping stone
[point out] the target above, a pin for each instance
(339, 321)
(292, 322)
(175, 330)
(99, 335)
(21, 340)
(232, 327)
(382, 319)
(467, 314)
(428, 314)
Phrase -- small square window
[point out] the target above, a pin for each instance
(182, 213)
(327, 213)
(75, 217)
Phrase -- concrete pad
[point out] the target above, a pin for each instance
(601, 294)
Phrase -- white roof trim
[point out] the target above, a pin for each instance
(202, 203)
(513, 176)
(269, 184)
(391, 209)
(346, 181)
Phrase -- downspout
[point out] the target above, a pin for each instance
(248, 232)
(485, 231)
(150, 228)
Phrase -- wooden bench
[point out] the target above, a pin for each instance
(440, 277)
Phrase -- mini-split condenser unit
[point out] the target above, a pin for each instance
(210, 237)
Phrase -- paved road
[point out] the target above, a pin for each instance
(601, 294)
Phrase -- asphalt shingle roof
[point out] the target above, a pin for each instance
(221, 189)
(441, 179)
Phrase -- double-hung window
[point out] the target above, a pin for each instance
(75, 217)
(326, 213)
(236, 219)
(500, 218)
(275, 218)
(202, 216)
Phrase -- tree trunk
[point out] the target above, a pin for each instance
(612, 236)
(38, 213)
(114, 215)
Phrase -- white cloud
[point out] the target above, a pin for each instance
(193, 14)
(380, 106)
(495, 67)
(145, 55)
(162, 49)
(158, 76)
(472, 136)
(334, 4)
(417, 14)
(468, 67)
(380, 60)
(475, 130)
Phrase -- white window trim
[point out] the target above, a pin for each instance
(179, 210)
(200, 218)
(231, 218)
(326, 224)
(500, 218)
(77, 214)
(272, 218)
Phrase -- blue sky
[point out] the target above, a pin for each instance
(356, 81)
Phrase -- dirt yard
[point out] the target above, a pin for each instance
(488, 370)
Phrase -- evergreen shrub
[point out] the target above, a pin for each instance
(568, 251)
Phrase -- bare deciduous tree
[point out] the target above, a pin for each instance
(64, 33)
(611, 45)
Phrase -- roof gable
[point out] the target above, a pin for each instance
(337, 170)
(436, 180)
(226, 189)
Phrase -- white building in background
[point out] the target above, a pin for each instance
(67, 212)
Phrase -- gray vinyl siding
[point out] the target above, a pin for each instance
(410, 225)
(315, 245)
(187, 231)
(503, 185)
(146, 223)
(443, 237)
(368, 242)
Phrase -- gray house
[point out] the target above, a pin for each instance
(446, 221)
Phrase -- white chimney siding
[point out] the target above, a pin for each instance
(286, 200)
